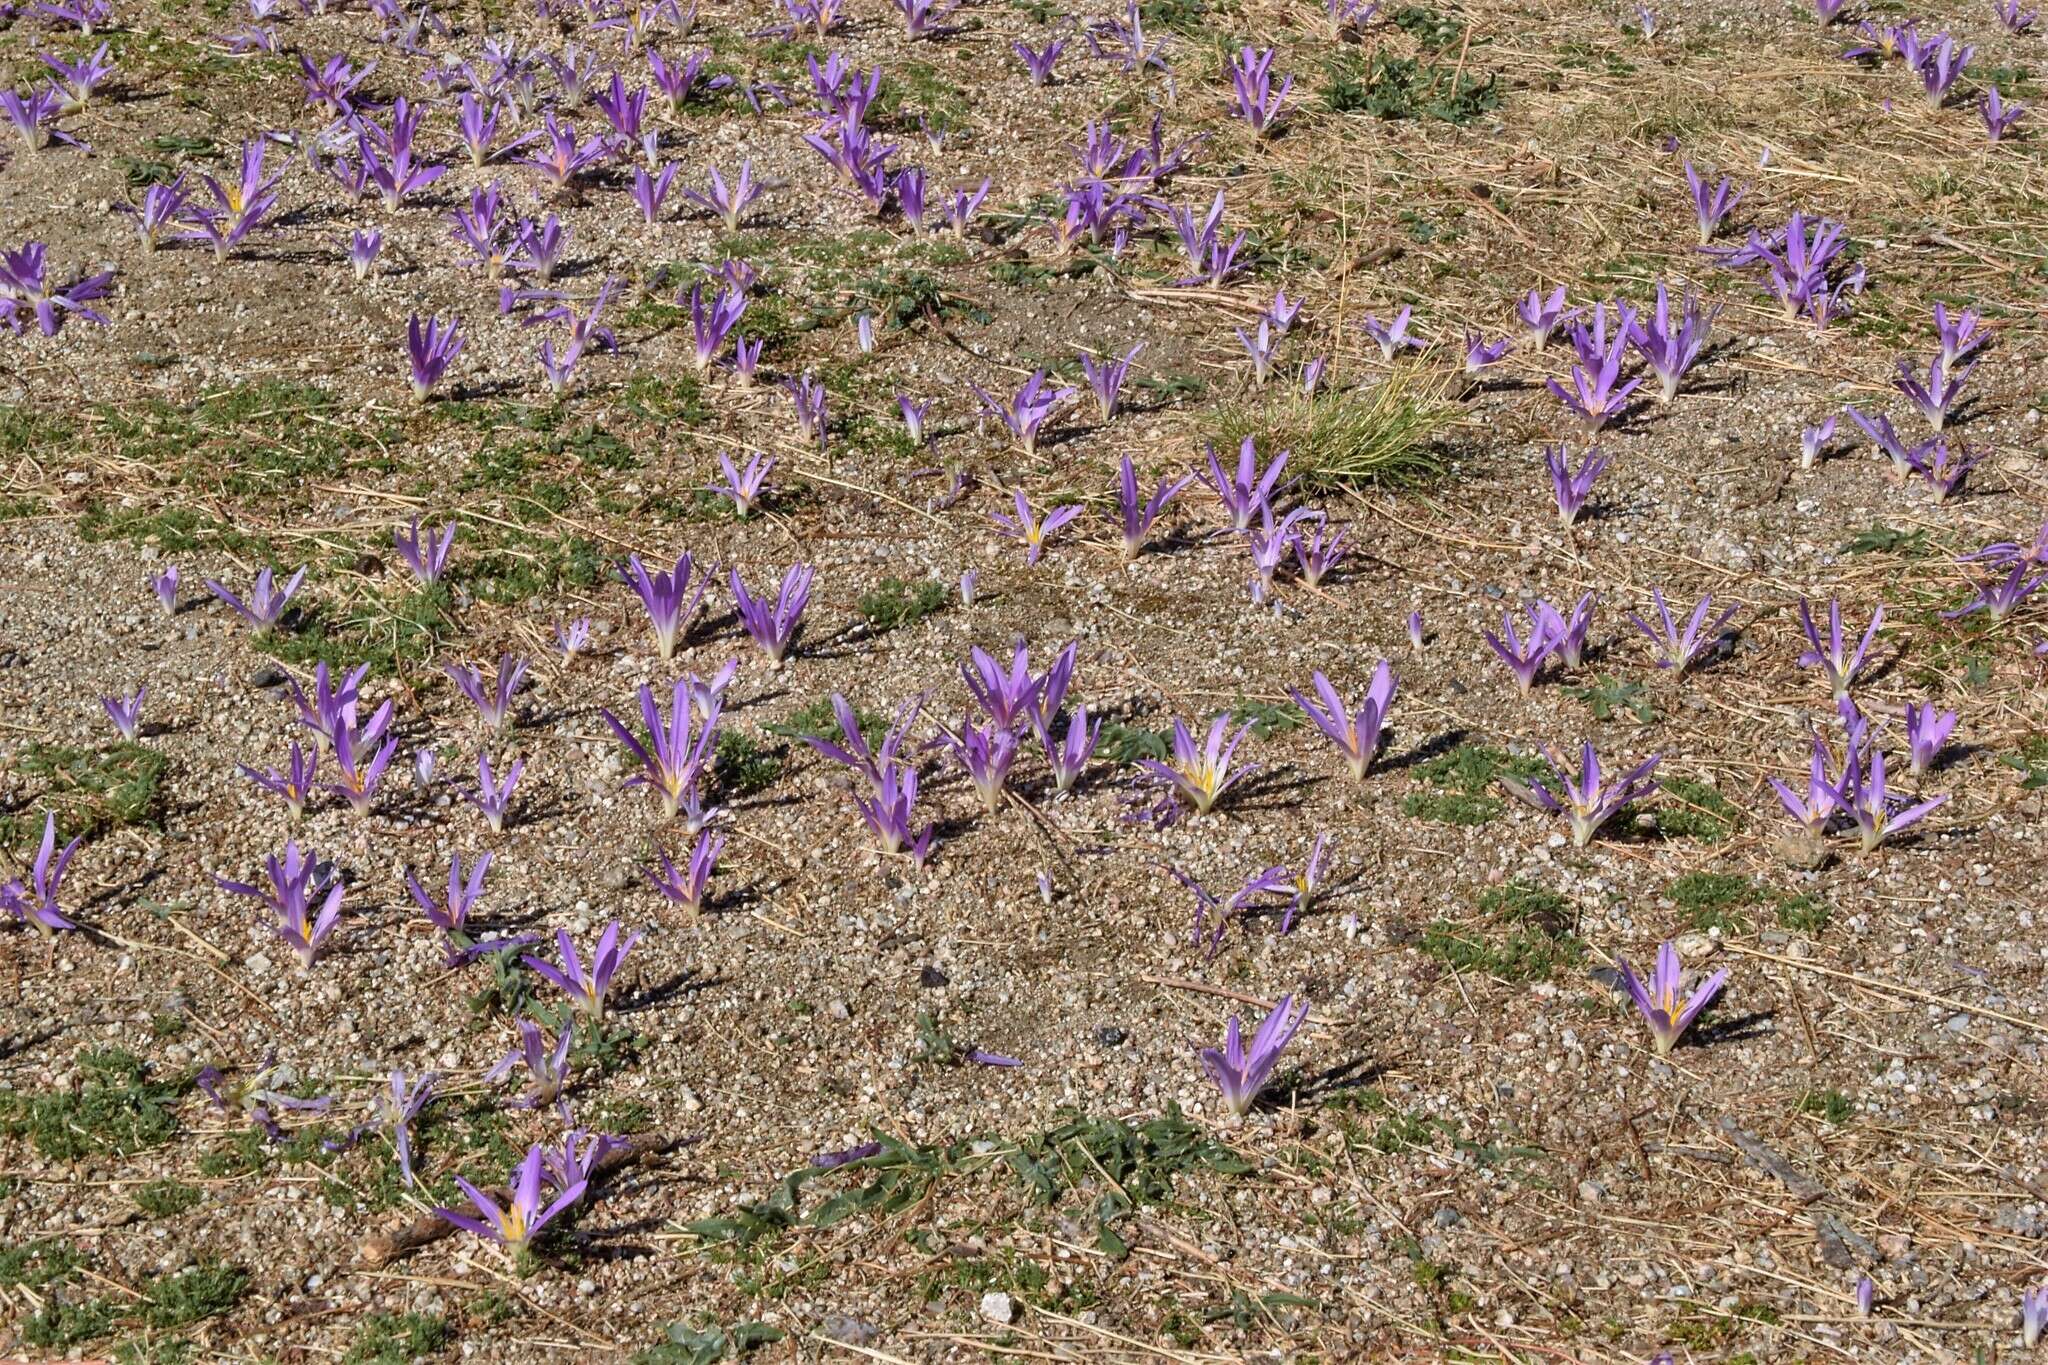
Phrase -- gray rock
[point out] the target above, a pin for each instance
(848, 1331)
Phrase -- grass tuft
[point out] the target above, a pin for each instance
(1344, 439)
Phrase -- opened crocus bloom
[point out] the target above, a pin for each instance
(1659, 1000)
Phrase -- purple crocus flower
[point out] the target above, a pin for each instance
(1245, 494)
(1260, 346)
(1711, 202)
(430, 348)
(1938, 396)
(729, 203)
(986, 754)
(361, 760)
(1215, 261)
(451, 915)
(807, 395)
(494, 703)
(1316, 556)
(1106, 378)
(126, 713)
(387, 158)
(1025, 413)
(477, 122)
(1306, 885)
(1068, 759)
(1138, 516)
(266, 603)
(1481, 354)
(1813, 441)
(925, 18)
(547, 1067)
(1878, 814)
(1833, 657)
(1007, 696)
(746, 489)
(255, 1098)
(162, 206)
(2004, 553)
(2033, 1315)
(1658, 998)
(1213, 915)
(239, 208)
(1415, 629)
(1241, 1075)
(1671, 347)
(1572, 488)
(396, 1108)
(1253, 97)
(78, 80)
(295, 784)
(1944, 472)
(1881, 433)
(331, 706)
(1523, 656)
(564, 157)
(34, 117)
(1200, 773)
(1358, 732)
(572, 638)
(1927, 730)
(1588, 801)
(1038, 62)
(1960, 334)
(1392, 337)
(889, 812)
(294, 885)
(2000, 115)
(1597, 395)
(1542, 315)
(25, 286)
(35, 902)
(855, 753)
(913, 416)
(670, 763)
(1567, 634)
(773, 624)
(1678, 649)
(515, 1226)
(667, 597)
(2000, 596)
(1941, 65)
(586, 985)
(362, 250)
(493, 797)
(712, 323)
(686, 887)
(1823, 798)
(1031, 530)
(425, 555)
(650, 192)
